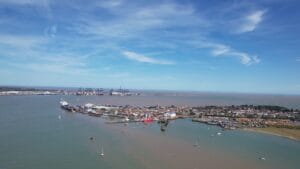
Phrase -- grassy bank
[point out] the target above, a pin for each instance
(283, 132)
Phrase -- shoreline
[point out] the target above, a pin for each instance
(276, 132)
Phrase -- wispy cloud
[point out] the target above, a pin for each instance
(21, 41)
(25, 2)
(245, 58)
(109, 4)
(144, 59)
(43, 6)
(218, 49)
(136, 21)
(58, 64)
(251, 21)
(59, 68)
(32, 53)
(298, 59)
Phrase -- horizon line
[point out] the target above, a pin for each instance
(158, 90)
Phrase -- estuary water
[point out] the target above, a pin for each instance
(35, 133)
(194, 99)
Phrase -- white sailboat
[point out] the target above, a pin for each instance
(102, 152)
(262, 158)
(197, 142)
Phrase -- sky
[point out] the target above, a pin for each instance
(193, 45)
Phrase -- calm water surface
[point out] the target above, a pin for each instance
(198, 99)
(32, 136)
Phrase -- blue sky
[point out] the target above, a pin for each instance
(223, 46)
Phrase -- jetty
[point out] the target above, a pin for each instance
(122, 121)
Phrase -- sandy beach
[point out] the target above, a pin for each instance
(293, 134)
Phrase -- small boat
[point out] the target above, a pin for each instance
(197, 143)
(212, 123)
(126, 119)
(262, 158)
(232, 128)
(219, 133)
(164, 125)
(102, 152)
(148, 120)
(63, 103)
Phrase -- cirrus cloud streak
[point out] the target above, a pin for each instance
(145, 59)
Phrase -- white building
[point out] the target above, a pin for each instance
(170, 115)
(89, 105)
